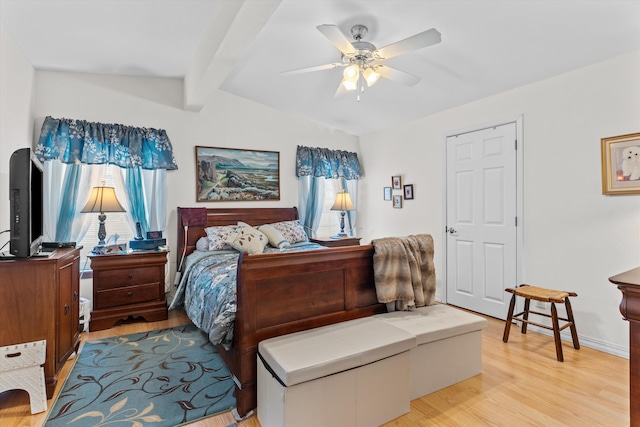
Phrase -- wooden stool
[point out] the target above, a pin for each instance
(545, 295)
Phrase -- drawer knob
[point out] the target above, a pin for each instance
(129, 294)
(131, 276)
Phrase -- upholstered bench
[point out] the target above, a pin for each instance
(354, 373)
(449, 345)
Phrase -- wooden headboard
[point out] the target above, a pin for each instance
(228, 216)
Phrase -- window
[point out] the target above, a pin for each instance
(116, 223)
(330, 220)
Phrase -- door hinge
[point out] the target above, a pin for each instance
(516, 221)
(516, 144)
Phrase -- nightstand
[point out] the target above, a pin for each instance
(128, 284)
(334, 243)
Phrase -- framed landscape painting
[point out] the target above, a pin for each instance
(231, 174)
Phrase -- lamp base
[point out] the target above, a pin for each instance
(340, 236)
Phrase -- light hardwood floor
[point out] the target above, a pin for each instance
(521, 384)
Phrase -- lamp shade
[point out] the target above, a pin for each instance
(103, 199)
(370, 76)
(343, 202)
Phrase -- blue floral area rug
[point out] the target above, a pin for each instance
(159, 378)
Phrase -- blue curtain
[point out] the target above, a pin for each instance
(310, 202)
(135, 195)
(328, 163)
(313, 166)
(68, 202)
(76, 142)
(79, 141)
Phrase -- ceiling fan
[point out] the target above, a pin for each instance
(363, 63)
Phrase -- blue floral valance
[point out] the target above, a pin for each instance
(79, 141)
(328, 163)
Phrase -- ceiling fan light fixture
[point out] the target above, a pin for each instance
(371, 76)
(350, 85)
(351, 73)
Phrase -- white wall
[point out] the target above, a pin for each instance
(16, 115)
(574, 237)
(226, 121)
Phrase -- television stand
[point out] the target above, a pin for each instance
(40, 300)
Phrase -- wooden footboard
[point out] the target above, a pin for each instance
(281, 293)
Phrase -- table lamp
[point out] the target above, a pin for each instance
(103, 199)
(342, 204)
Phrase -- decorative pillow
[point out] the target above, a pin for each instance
(292, 231)
(202, 244)
(218, 235)
(276, 239)
(248, 239)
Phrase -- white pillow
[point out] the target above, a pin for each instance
(276, 239)
(248, 239)
(202, 244)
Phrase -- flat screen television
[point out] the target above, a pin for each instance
(25, 203)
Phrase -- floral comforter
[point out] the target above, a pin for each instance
(207, 290)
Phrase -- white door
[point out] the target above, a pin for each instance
(481, 219)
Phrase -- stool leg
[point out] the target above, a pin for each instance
(525, 316)
(507, 325)
(556, 332)
(574, 331)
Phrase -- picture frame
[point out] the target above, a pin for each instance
(387, 193)
(397, 201)
(408, 192)
(396, 182)
(621, 164)
(234, 174)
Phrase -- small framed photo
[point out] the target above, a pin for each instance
(396, 182)
(621, 164)
(408, 192)
(397, 201)
(387, 193)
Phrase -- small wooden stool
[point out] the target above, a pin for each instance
(545, 295)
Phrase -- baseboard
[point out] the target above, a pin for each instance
(603, 346)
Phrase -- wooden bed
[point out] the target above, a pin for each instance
(282, 293)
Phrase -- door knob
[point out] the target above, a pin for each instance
(452, 231)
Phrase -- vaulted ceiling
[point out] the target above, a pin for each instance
(242, 46)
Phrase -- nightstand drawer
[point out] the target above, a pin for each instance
(129, 295)
(111, 279)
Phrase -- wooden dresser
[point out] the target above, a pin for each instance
(130, 284)
(629, 284)
(39, 300)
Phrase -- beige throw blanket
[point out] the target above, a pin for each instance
(404, 273)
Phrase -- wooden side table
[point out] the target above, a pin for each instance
(129, 284)
(334, 243)
(629, 284)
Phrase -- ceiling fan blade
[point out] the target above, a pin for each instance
(340, 90)
(398, 76)
(310, 69)
(417, 41)
(337, 38)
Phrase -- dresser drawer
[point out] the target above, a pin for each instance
(129, 295)
(110, 279)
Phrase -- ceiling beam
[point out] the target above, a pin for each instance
(233, 26)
